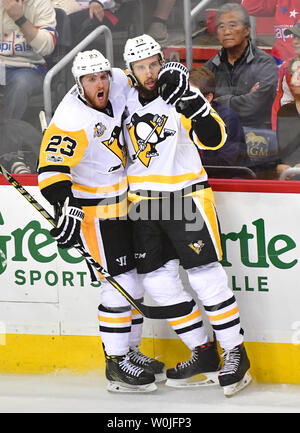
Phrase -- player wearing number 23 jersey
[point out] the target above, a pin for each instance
(82, 173)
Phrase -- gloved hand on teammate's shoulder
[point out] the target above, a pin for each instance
(193, 104)
(69, 216)
(173, 82)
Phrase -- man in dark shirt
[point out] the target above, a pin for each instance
(246, 76)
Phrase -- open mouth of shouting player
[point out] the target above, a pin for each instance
(96, 89)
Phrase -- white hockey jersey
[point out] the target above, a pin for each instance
(163, 148)
(86, 147)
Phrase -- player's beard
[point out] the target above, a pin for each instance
(146, 93)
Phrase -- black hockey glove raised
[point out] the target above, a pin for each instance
(173, 81)
(69, 217)
(193, 104)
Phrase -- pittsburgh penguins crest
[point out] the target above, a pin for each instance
(146, 132)
(197, 246)
(116, 145)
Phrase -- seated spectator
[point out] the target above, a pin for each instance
(87, 15)
(158, 28)
(234, 151)
(284, 90)
(286, 14)
(19, 146)
(27, 34)
(288, 124)
(246, 76)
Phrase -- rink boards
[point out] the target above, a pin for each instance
(48, 308)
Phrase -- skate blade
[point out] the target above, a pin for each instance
(123, 387)
(160, 377)
(203, 379)
(230, 390)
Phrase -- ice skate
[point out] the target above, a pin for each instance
(234, 375)
(200, 370)
(124, 376)
(149, 364)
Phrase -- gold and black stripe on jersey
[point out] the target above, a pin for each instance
(206, 132)
(56, 185)
(105, 208)
(143, 194)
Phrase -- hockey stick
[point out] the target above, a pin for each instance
(151, 312)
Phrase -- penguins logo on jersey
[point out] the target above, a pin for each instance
(99, 129)
(197, 246)
(145, 133)
(116, 145)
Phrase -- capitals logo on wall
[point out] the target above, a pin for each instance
(146, 132)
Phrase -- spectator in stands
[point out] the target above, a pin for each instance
(27, 35)
(246, 76)
(158, 28)
(288, 124)
(20, 144)
(85, 16)
(234, 151)
(286, 14)
(284, 89)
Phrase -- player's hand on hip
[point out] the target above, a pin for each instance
(173, 82)
(69, 217)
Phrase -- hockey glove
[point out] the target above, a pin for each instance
(69, 217)
(193, 104)
(173, 81)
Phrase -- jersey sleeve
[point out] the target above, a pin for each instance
(45, 21)
(60, 152)
(206, 132)
(260, 8)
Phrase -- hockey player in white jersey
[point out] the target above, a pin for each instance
(169, 124)
(82, 174)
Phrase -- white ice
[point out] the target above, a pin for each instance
(65, 393)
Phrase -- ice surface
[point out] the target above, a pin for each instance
(87, 394)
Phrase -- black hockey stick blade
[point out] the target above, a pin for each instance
(151, 312)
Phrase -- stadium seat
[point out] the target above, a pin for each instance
(262, 149)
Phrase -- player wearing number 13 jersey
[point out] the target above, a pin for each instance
(175, 221)
(82, 174)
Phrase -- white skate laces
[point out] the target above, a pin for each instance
(231, 361)
(136, 356)
(129, 368)
(189, 362)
